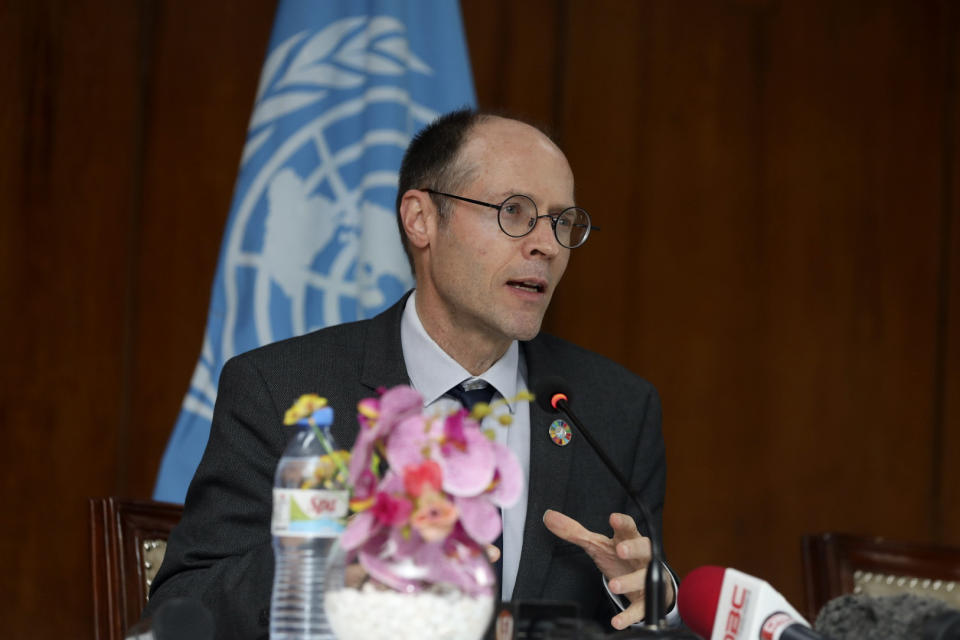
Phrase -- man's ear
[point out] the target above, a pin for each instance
(418, 214)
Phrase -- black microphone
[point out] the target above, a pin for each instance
(175, 619)
(897, 617)
(552, 395)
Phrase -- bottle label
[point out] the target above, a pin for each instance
(313, 513)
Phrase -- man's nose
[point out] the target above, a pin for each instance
(541, 239)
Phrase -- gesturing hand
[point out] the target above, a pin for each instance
(622, 559)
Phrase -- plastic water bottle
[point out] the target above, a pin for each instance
(310, 502)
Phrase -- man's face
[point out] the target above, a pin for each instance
(488, 285)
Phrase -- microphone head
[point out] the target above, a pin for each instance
(902, 616)
(698, 596)
(548, 391)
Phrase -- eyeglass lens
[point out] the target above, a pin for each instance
(518, 216)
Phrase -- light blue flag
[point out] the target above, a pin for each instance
(312, 238)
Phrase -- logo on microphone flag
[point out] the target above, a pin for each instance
(744, 607)
(311, 239)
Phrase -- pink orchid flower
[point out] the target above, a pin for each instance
(417, 478)
(377, 418)
(507, 482)
(430, 517)
(391, 509)
(395, 405)
(434, 517)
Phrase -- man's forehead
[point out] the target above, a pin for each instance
(502, 140)
(507, 157)
(497, 130)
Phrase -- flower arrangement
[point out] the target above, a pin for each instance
(426, 492)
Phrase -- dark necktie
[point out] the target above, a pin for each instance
(480, 391)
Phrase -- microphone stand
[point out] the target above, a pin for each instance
(654, 589)
(551, 398)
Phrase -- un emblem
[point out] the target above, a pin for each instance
(313, 239)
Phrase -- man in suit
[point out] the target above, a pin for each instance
(487, 215)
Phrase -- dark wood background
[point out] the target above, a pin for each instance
(778, 186)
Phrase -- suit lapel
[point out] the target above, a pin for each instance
(549, 476)
(378, 362)
(383, 364)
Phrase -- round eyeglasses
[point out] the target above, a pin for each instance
(518, 215)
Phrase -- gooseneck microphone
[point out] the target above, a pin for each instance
(553, 395)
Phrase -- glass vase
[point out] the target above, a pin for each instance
(435, 591)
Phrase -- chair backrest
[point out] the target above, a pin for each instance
(128, 539)
(836, 564)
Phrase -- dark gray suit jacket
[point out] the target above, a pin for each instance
(221, 551)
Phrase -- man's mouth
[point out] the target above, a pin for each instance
(527, 285)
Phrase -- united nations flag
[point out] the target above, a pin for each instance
(311, 239)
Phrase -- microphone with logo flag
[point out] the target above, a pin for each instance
(726, 604)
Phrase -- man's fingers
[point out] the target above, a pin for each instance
(634, 549)
(493, 553)
(630, 543)
(631, 615)
(565, 527)
(630, 583)
(623, 526)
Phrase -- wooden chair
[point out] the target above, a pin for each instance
(128, 540)
(835, 564)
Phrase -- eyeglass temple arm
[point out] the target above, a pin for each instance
(471, 200)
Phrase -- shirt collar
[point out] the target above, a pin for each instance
(432, 372)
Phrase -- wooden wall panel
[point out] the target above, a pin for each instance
(948, 523)
(852, 159)
(517, 56)
(121, 142)
(68, 162)
(684, 109)
(193, 137)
